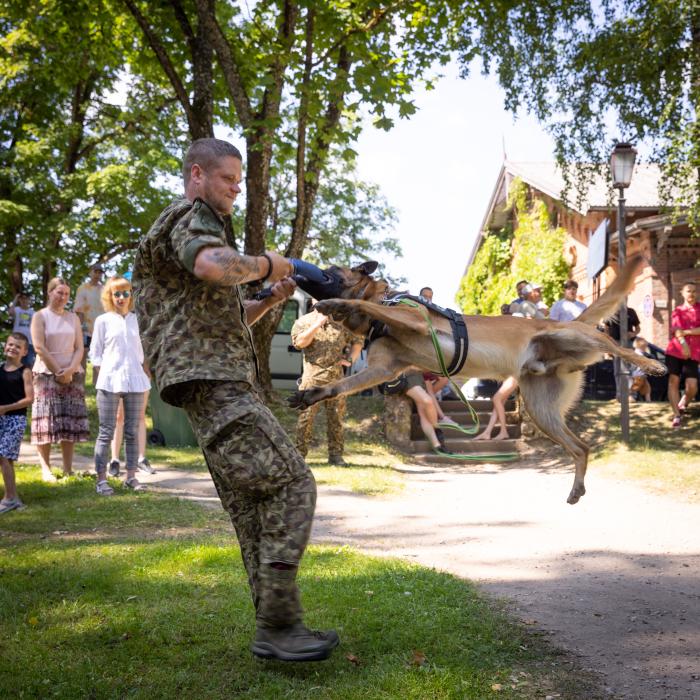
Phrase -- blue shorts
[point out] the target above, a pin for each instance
(11, 434)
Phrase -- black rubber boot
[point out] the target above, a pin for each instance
(294, 643)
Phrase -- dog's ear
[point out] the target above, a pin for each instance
(367, 267)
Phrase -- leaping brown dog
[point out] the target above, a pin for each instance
(546, 357)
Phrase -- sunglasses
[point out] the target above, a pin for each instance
(126, 295)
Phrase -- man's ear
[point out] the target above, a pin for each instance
(367, 267)
(196, 172)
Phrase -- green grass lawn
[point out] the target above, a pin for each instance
(143, 595)
(370, 458)
(659, 458)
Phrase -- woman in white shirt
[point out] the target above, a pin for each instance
(117, 356)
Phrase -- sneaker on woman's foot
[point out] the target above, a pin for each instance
(145, 466)
(676, 422)
(114, 467)
(134, 484)
(103, 488)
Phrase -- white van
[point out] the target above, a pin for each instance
(285, 359)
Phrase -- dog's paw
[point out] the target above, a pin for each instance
(301, 400)
(655, 368)
(576, 492)
(298, 400)
(335, 308)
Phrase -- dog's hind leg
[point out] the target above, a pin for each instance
(548, 398)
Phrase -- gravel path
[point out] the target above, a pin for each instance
(614, 579)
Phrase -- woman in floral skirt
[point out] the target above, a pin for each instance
(59, 414)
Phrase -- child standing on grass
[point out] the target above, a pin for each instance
(16, 393)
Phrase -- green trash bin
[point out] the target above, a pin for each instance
(170, 425)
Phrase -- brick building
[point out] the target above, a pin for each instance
(669, 247)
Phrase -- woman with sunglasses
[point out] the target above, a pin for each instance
(117, 356)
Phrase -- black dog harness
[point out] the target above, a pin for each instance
(460, 336)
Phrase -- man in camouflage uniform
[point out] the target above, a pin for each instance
(195, 330)
(327, 349)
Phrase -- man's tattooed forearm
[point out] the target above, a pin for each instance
(235, 268)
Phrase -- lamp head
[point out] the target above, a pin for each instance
(622, 162)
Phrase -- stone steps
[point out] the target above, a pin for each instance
(512, 424)
(404, 431)
(479, 405)
(478, 451)
(465, 445)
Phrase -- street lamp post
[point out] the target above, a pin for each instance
(621, 166)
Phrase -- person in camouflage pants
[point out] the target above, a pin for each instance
(195, 332)
(327, 349)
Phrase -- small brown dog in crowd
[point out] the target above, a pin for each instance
(546, 357)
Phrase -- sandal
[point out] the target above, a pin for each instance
(104, 489)
(8, 504)
(134, 484)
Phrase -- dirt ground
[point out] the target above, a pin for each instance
(615, 579)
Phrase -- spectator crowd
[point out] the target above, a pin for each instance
(45, 359)
(47, 351)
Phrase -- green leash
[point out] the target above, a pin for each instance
(491, 456)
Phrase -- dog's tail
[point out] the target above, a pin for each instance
(609, 303)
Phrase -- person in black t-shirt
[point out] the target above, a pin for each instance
(612, 328)
(612, 325)
(16, 393)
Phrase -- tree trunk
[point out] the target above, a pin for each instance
(256, 220)
(263, 331)
(257, 195)
(15, 265)
(17, 275)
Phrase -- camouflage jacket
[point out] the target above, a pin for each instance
(322, 357)
(190, 329)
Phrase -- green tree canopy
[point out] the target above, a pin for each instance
(584, 68)
(78, 173)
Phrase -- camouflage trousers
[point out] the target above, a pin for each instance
(335, 414)
(266, 487)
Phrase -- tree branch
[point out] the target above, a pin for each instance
(302, 124)
(375, 18)
(319, 149)
(183, 21)
(285, 39)
(234, 82)
(164, 60)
